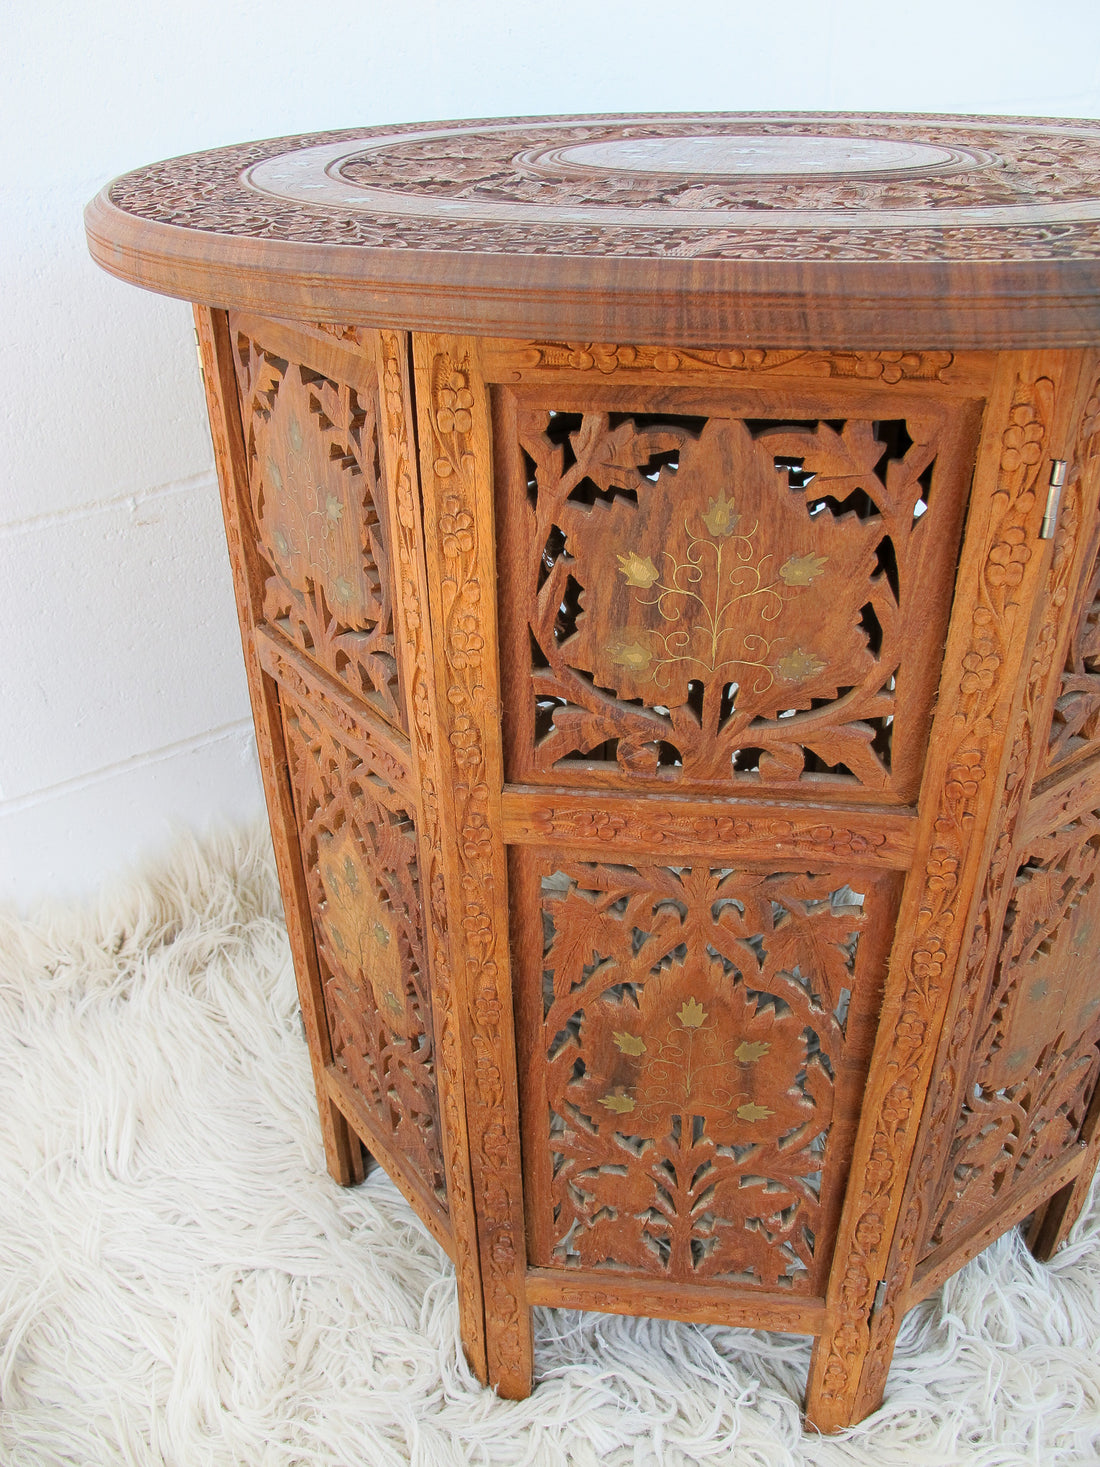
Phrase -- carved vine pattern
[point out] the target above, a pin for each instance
(360, 855)
(991, 167)
(468, 714)
(607, 358)
(722, 604)
(694, 1031)
(995, 622)
(411, 622)
(314, 484)
(652, 828)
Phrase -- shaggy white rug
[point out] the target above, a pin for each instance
(181, 1283)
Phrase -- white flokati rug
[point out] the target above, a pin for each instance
(181, 1282)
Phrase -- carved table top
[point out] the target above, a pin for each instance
(823, 229)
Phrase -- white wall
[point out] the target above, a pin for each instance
(123, 708)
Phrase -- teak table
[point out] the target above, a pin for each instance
(667, 559)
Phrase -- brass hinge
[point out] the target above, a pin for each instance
(1054, 499)
(198, 353)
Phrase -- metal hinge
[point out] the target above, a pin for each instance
(880, 1298)
(198, 353)
(1054, 499)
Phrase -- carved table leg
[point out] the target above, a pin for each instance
(343, 1150)
(456, 479)
(969, 766)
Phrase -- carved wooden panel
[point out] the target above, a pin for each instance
(1038, 1058)
(1000, 574)
(715, 600)
(692, 1054)
(1075, 726)
(359, 848)
(314, 480)
(1076, 723)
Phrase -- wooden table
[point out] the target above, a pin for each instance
(666, 555)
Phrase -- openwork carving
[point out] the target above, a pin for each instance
(1038, 1057)
(1075, 727)
(359, 849)
(314, 483)
(710, 600)
(693, 1036)
(1076, 722)
(1026, 740)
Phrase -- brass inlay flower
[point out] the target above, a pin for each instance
(720, 518)
(630, 654)
(799, 665)
(800, 570)
(692, 1015)
(638, 572)
(692, 1047)
(722, 573)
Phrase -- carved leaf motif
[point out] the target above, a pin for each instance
(1076, 721)
(815, 939)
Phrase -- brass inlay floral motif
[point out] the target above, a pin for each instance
(704, 582)
(713, 599)
(312, 523)
(695, 1029)
(683, 1059)
(361, 929)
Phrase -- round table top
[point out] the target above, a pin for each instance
(774, 229)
